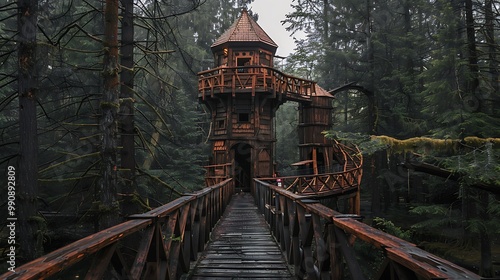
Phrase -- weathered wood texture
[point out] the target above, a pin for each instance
(163, 241)
(232, 80)
(320, 242)
(217, 173)
(241, 246)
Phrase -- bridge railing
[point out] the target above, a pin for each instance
(345, 180)
(254, 78)
(159, 244)
(321, 243)
(324, 184)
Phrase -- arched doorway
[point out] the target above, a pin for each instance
(242, 175)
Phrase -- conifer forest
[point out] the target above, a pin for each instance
(100, 117)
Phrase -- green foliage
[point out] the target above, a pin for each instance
(389, 227)
(434, 217)
(286, 137)
(363, 141)
(433, 210)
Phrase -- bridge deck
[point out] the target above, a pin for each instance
(241, 246)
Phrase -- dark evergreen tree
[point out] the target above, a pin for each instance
(27, 170)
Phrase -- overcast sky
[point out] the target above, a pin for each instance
(271, 13)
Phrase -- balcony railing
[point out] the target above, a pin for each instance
(254, 79)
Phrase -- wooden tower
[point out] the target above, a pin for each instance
(242, 93)
(315, 150)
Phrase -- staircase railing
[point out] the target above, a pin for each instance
(158, 244)
(321, 243)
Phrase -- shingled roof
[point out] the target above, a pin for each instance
(245, 29)
(319, 91)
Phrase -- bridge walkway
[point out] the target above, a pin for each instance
(241, 246)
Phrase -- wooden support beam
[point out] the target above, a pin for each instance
(100, 263)
(142, 253)
(349, 255)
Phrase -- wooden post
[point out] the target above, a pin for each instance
(315, 161)
(335, 254)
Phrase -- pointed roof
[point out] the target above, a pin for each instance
(245, 29)
(322, 92)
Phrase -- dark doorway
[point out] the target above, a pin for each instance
(242, 167)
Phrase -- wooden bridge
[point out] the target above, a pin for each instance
(276, 234)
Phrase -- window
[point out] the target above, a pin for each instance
(243, 61)
(243, 117)
(265, 59)
(221, 124)
(242, 108)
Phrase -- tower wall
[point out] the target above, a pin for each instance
(314, 119)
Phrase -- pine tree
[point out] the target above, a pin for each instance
(27, 187)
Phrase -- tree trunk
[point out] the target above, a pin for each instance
(108, 207)
(27, 188)
(473, 83)
(155, 138)
(492, 58)
(127, 109)
(486, 267)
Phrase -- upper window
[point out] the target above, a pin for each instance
(243, 61)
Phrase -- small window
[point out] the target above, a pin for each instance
(243, 117)
(221, 124)
(243, 61)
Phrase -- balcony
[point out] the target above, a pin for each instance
(244, 79)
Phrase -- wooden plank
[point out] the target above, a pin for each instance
(349, 255)
(142, 253)
(100, 263)
(66, 256)
(242, 246)
(405, 253)
(175, 244)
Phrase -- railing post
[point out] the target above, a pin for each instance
(254, 80)
(278, 219)
(306, 236)
(222, 83)
(294, 250)
(233, 84)
(336, 266)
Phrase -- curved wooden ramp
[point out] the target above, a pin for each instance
(241, 246)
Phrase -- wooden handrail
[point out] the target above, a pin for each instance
(347, 180)
(168, 238)
(254, 78)
(324, 184)
(319, 242)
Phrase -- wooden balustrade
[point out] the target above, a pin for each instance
(254, 78)
(345, 181)
(158, 244)
(321, 243)
(318, 185)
